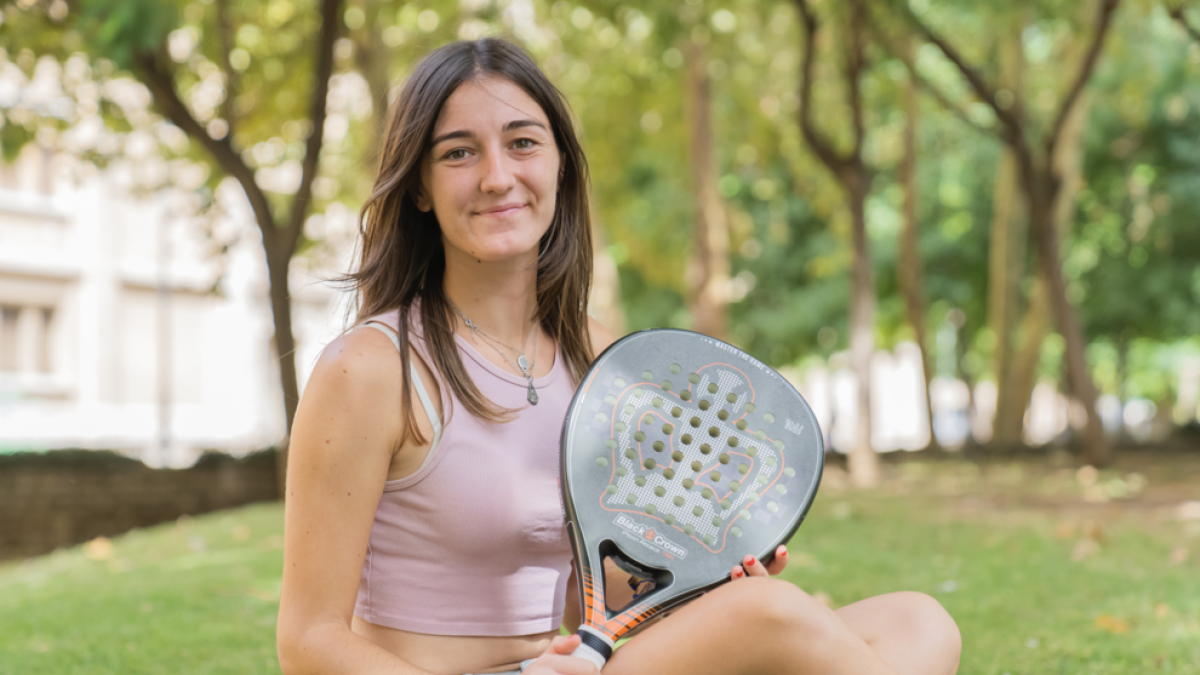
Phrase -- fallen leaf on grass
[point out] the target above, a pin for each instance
(1085, 548)
(1094, 531)
(98, 549)
(1064, 531)
(241, 533)
(1162, 610)
(806, 560)
(1178, 556)
(1111, 624)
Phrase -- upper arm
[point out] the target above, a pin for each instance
(346, 429)
(600, 336)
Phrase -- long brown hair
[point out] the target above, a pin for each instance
(403, 260)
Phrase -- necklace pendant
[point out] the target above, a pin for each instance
(521, 361)
(533, 397)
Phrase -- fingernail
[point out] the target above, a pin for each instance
(783, 550)
(751, 563)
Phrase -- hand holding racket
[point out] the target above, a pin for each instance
(680, 454)
(557, 660)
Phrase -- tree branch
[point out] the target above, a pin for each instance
(1103, 22)
(983, 90)
(1177, 14)
(150, 71)
(330, 20)
(905, 57)
(225, 43)
(823, 149)
(855, 62)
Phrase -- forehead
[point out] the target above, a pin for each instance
(487, 104)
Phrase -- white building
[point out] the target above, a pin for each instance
(120, 328)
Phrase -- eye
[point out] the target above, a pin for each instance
(455, 154)
(524, 143)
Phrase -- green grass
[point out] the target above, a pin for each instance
(201, 596)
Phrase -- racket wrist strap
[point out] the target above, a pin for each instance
(595, 647)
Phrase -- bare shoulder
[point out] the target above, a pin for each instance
(601, 337)
(356, 381)
(365, 356)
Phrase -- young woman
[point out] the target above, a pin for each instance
(411, 546)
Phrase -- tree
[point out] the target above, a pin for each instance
(853, 175)
(1041, 181)
(910, 269)
(223, 47)
(708, 273)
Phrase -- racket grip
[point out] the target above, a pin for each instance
(595, 648)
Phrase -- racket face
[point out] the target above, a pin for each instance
(682, 454)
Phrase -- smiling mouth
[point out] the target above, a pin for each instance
(502, 211)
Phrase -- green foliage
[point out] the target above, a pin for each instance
(622, 66)
(120, 29)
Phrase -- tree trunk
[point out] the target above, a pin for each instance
(1006, 259)
(864, 463)
(371, 56)
(708, 273)
(1043, 188)
(278, 262)
(1010, 417)
(606, 286)
(911, 269)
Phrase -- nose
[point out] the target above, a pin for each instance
(497, 174)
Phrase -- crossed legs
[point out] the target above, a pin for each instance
(764, 626)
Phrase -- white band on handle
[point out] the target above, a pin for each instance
(586, 652)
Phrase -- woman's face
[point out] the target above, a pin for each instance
(492, 173)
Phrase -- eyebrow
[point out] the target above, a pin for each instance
(462, 133)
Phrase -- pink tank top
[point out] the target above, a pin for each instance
(474, 542)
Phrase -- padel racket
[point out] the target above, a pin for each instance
(680, 455)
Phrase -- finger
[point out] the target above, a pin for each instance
(753, 567)
(737, 572)
(779, 562)
(564, 644)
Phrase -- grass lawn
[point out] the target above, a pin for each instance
(1045, 569)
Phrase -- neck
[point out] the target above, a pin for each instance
(499, 297)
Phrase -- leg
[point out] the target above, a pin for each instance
(754, 626)
(910, 631)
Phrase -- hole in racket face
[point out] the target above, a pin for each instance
(625, 581)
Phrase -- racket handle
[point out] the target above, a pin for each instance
(595, 648)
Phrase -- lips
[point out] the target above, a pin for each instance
(502, 210)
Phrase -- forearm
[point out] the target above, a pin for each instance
(333, 649)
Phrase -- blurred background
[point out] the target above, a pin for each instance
(969, 232)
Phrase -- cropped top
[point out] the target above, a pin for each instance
(474, 542)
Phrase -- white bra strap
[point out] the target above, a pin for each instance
(422, 393)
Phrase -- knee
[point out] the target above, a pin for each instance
(775, 607)
(930, 623)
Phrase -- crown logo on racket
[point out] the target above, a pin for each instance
(692, 451)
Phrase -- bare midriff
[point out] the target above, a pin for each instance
(455, 654)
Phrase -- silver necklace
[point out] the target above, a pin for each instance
(524, 365)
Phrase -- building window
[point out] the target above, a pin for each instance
(25, 339)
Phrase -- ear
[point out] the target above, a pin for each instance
(421, 200)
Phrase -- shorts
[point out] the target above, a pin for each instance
(524, 664)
